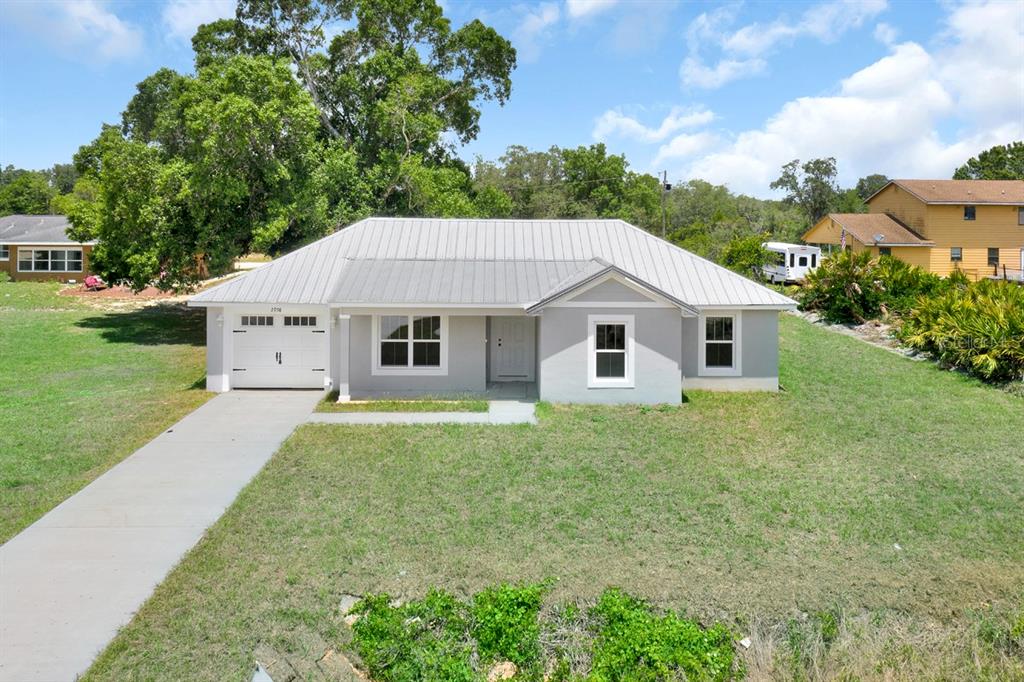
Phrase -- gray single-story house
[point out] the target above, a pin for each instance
(593, 311)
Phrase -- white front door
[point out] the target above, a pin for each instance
(273, 354)
(512, 348)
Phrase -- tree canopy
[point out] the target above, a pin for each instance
(811, 186)
(282, 136)
(1002, 162)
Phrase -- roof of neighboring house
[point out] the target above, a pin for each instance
(482, 262)
(864, 227)
(35, 229)
(1006, 192)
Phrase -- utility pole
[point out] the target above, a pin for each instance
(665, 187)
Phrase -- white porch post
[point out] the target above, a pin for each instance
(341, 357)
(219, 347)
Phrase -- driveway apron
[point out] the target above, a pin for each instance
(70, 580)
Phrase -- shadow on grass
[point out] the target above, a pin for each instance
(167, 324)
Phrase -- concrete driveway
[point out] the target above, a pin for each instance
(70, 580)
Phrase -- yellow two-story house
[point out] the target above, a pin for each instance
(976, 226)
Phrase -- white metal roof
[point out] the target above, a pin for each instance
(468, 261)
(787, 245)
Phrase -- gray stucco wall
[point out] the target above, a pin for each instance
(467, 359)
(759, 344)
(563, 358)
(611, 292)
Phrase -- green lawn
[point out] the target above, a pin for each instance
(751, 508)
(330, 404)
(82, 388)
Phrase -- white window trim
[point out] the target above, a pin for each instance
(33, 250)
(409, 371)
(8, 256)
(593, 381)
(737, 341)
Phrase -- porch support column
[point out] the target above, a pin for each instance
(219, 347)
(341, 357)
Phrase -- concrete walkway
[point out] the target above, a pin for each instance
(499, 412)
(70, 580)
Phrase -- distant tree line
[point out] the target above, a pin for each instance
(35, 192)
(282, 135)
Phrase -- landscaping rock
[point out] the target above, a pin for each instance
(346, 604)
(505, 670)
(745, 642)
(335, 666)
(348, 601)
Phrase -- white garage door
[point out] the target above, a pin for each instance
(279, 351)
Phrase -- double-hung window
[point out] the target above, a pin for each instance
(611, 362)
(5, 252)
(970, 212)
(993, 256)
(49, 260)
(412, 344)
(719, 344)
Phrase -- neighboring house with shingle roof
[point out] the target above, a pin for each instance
(37, 247)
(972, 225)
(579, 310)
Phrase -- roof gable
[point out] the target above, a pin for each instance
(999, 192)
(865, 227)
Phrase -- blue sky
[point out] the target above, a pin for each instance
(723, 91)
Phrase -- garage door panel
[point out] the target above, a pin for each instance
(279, 356)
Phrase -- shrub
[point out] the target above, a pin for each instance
(426, 639)
(635, 644)
(852, 287)
(977, 327)
(620, 638)
(746, 256)
(843, 288)
(505, 623)
(903, 284)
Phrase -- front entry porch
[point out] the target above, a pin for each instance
(524, 391)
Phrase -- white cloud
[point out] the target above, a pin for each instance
(695, 73)
(982, 60)
(183, 17)
(825, 22)
(577, 9)
(533, 28)
(615, 123)
(744, 49)
(85, 30)
(886, 117)
(886, 33)
(685, 145)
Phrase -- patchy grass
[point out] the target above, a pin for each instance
(883, 490)
(83, 388)
(426, 404)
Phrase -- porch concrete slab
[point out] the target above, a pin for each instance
(499, 412)
(70, 580)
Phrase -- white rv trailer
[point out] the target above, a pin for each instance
(792, 261)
